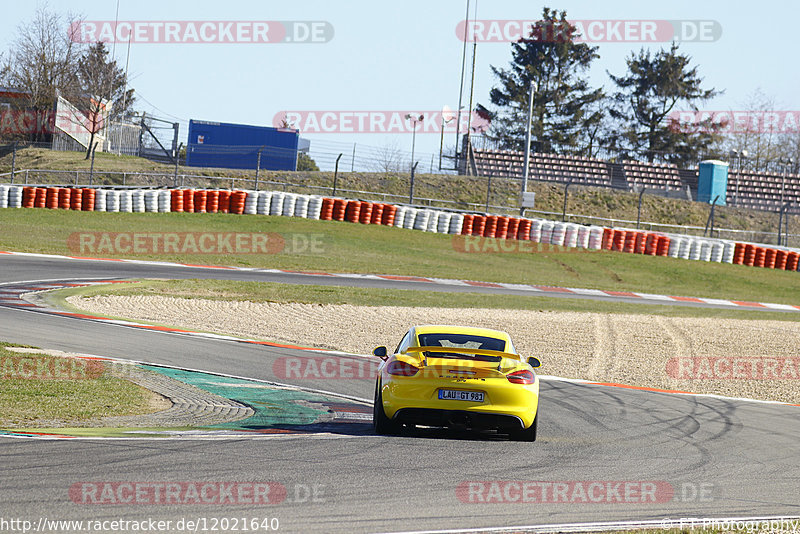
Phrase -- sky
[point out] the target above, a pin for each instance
(378, 57)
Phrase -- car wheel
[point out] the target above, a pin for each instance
(527, 434)
(381, 423)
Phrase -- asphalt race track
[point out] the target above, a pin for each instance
(720, 457)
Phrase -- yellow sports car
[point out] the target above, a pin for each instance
(460, 377)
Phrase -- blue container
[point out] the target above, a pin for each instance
(712, 182)
(240, 146)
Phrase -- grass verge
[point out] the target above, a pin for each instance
(347, 247)
(40, 390)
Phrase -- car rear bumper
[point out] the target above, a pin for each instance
(458, 419)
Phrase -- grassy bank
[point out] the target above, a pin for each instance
(347, 247)
(37, 390)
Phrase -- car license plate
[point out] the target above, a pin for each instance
(450, 394)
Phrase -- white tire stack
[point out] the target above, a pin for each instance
(433, 221)
(399, 216)
(251, 203)
(263, 202)
(536, 231)
(421, 220)
(705, 251)
(125, 201)
(100, 199)
(717, 250)
(314, 207)
(276, 204)
(137, 201)
(571, 235)
(595, 237)
(14, 196)
(675, 244)
(151, 201)
(443, 222)
(694, 249)
(558, 234)
(456, 223)
(164, 202)
(301, 206)
(3, 196)
(686, 248)
(547, 232)
(411, 217)
(289, 201)
(728, 248)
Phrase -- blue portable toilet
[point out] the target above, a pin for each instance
(712, 181)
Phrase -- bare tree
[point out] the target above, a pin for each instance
(763, 144)
(42, 60)
(389, 158)
(102, 93)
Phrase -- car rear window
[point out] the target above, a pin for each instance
(464, 341)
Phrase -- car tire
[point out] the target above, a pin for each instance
(381, 423)
(527, 434)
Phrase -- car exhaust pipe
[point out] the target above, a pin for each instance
(459, 420)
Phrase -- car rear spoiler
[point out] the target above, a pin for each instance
(459, 350)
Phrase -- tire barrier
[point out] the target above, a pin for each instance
(314, 207)
(289, 203)
(200, 198)
(250, 203)
(400, 216)
(76, 200)
(125, 201)
(557, 233)
(176, 199)
(88, 198)
(339, 209)
(326, 211)
(212, 201)
(225, 201)
(353, 211)
(365, 213)
(389, 214)
(188, 200)
(237, 201)
(524, 229)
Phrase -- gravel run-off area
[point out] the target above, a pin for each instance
(734, 357)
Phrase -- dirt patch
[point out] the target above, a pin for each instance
(629, 349)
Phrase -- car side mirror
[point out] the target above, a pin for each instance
(380, 352)
(534, 362)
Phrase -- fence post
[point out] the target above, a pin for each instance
(639, 209)
(336, 172)
(76, 177)
(566, 196)
(411, 188)
(13, 161)
(488, 191)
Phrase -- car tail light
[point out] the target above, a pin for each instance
(521, 377)
(399, 368)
